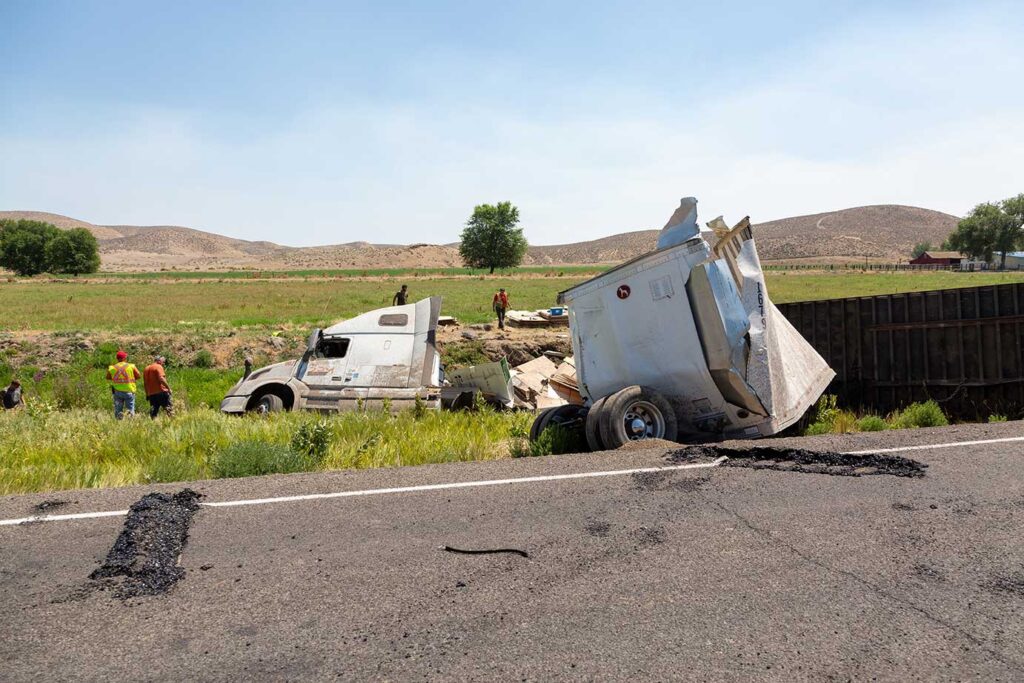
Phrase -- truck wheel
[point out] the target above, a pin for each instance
(539, 423)
(593, 427)
(634, 414)
(269, 403)
(569, 416)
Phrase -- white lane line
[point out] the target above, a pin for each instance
(934, 445)
(378, 492)
(492, 482)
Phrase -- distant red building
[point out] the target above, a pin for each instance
(938, 258)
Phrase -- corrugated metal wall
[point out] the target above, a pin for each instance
(961, 347)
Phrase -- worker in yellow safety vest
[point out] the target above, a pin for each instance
(122, 376)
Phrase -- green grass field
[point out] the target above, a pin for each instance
(67, 438)
(144, 304)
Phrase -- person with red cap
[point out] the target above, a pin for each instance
(122, 376)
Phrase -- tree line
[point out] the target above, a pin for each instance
(31, 247)
(990, 228)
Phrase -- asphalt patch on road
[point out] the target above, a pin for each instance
(144, 558)
(48, 505)
(804, 461)
(667, 481)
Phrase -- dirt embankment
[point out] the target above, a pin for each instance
(226, 349)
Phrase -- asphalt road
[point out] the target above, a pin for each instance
(706, 574)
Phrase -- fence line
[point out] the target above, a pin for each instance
(960, 347)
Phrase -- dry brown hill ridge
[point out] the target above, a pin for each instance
(878, 233)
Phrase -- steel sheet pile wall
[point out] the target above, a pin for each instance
(961, 347)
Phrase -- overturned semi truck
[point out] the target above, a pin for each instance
(684, 344)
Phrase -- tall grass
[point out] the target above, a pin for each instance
(46, 450)
(826, 417)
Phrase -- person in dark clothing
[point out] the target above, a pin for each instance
(401, 297)
(158, 393)
(500, 305)
(11, 396)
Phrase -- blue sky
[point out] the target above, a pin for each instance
(326, 122)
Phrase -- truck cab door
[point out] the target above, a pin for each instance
(325, 361)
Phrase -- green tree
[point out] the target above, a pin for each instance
(491, 238)
(920, 248)
(1014, 207)
(23, 245)
(73, 251)
(986, 229)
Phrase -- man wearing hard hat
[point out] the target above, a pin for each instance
(122, 376)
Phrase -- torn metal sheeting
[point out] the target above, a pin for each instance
(493, 380)
(692, 321)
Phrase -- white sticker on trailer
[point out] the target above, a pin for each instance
(661, 288)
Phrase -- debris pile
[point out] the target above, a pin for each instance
(545, 317)
(541, 383)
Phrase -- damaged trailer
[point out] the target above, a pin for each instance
(684, 344)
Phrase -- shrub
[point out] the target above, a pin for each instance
(419, 409)
(824, 416)
(254, 458)
(845, 422)
(871, 423)
(203, 359)
(313, 440)
(462, 354)
(554, 440)
(927, 414)
(72, 392)
(996, 418)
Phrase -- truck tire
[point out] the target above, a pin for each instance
(268, 403)
(539, 423)
(593, 427)
(569, 416)
(634, 414)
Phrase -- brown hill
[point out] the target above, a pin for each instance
(879, 233)
(613, 249)
(882, 232)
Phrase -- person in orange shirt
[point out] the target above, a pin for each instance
(500, 305)
(158, 393)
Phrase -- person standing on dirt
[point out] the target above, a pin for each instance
(158, 393)
(401, 297)
(11, 396)
(122, 376)
(500, 305)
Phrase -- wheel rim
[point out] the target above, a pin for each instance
(643, 420)
(262, 408)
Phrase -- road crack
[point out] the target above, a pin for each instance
(873, 587)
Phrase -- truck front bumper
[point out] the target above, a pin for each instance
(234, 404)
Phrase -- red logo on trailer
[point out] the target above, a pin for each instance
(623, 292)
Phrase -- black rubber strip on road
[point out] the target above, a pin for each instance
(511, 551)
